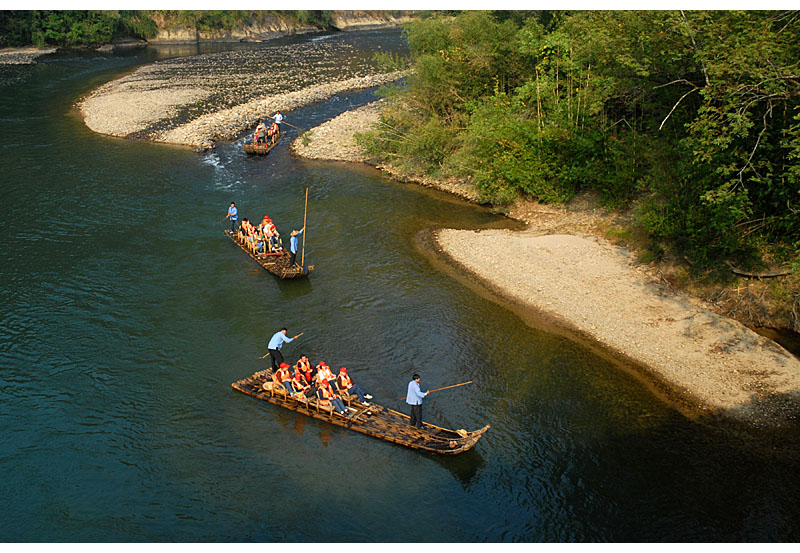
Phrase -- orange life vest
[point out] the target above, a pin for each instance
(345, 381)
(324, 372)
(299, 385)
(327, 394)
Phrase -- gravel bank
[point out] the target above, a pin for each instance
(199, 99)
(22, 56)
(229, 123)
(334, 140)
(710, 363)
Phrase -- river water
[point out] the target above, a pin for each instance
(125, 315)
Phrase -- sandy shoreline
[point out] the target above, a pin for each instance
(708, 363)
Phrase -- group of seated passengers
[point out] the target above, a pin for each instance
(263, 238)
(320, 381)
(263, 134)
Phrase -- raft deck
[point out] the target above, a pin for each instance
(373, 419)
(276, 263)
(261, 149)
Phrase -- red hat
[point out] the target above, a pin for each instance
(324, 382)
(343, 370)
(284, 365)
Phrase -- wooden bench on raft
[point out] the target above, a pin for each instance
(313, 403)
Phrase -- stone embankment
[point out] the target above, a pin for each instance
(352, 20)
(22, 56)
(560, 268)
(273, 27)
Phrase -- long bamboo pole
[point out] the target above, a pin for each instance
(285, 123)
(443, 388)
(453, 386)
(305, 212)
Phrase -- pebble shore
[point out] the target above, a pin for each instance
(706, 363)
(229, 123)
(197, 100)
(22, 56)
(334, 140)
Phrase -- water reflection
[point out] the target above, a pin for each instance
(464, 466)
(296, 288)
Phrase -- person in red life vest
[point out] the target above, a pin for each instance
(324, 372)
(284, 378)
(303, 365)
(328, 396)
(300, 385)
(346, 384)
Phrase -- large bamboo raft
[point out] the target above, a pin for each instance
(261, 149)
(373, 419)
(276, 263)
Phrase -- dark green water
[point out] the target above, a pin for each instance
(126, 314)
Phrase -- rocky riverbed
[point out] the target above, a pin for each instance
(22, 56)
(197, 100)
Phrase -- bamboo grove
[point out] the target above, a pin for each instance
(690, 119)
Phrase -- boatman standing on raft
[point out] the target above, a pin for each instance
(233, 215)
(293, 244)
(275, 345)
(414, 399)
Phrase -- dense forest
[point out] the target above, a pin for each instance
(689, 119)
(76, 28)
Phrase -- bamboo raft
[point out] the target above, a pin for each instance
(261, 149)
(276, 263)
(373, 419)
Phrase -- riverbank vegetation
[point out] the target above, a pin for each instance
(77, 28)
(690, 121)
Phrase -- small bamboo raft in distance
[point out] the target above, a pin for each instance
(261, 149)
(373, 419)
(276, 263)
